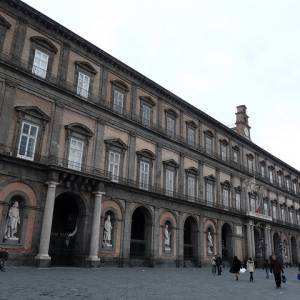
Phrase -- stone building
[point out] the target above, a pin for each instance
(100, 164)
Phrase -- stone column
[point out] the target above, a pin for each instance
(133, 99)
(268, 241)
(158, 167)
(218, 187)
(103, 86)
(200, 182)
(63, 63)
(181, 174)
(99, 145)
(250, 239)
(43, 259)
(131, 161)
(219, 237)
(180, 241)
(19, 39)
(93, 259)
(155, 238)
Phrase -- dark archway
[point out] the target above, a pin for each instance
(227, 249)
(190, 239)
(294, 251)
(260, 248)
(141, 233)
(66, 244)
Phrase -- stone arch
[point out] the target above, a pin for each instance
(227, 241)
(259, 244)
(113, 207)
(141, 232)
(23, 190)
(69, 238)
(190, 237)
(169, 218)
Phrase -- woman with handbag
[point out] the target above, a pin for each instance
(236, 266)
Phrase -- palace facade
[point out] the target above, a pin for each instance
(101, 165)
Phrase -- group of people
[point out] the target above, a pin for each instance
(273, 266)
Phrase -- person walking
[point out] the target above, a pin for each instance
(267, 268)
(236, 266)
(250, 268)
(277, 269)
(3, 259)
(219, 264)
(213, 265)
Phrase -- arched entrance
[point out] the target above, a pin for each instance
(294, 251)
(141, 234)
(227, 250)
(66, 243)
(190, 239)
(260, 248)
(278, 247)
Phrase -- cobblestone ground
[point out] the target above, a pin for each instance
(140, 283)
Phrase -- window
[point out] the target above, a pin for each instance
(75, 154)
(114, 165)
(250, 160)
(223, 151)
(191, 186)
(27, 141)
(288, 183)
(279, 175)
(209, 191)
(118, 101)
(225, 197)
(263, 169)
(170, 126)
(83, 85)
(274, 211)
(295, 186)
(283, 216)
(146, 114)
(144, 175)
(252, 203)
(40, 63)
(191, 135)
(208, 142)
(235, 154)
(271, 175)
(266, 210)
(238, 200)
(291, 216)
(170, 181)
(298, 218)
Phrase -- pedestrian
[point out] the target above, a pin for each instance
(3, 259)
(250, 268)
(236, 266)
(277, 269)
(267, 268)
(213, 265)
(219, 264)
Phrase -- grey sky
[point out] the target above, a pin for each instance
(215, 54)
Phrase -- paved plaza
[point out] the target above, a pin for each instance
(140, 283)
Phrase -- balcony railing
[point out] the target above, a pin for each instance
(24, 66)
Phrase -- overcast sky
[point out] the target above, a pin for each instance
(215, 54)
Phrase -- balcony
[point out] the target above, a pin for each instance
(259, 216)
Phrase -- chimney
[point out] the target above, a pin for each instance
(242, 125)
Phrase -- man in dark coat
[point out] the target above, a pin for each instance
(3, 259)
(236, 266)
(277, 269)
(219, 264)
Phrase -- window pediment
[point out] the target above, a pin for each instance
(116, 143)
(171, 112)
(191, 124)
(236, 148)
(86, 66)
(226, 184)
(146, 153)
(33, 111)
(80, 129)
(250, 156)
(238, 189)
(4, 22)
(210, 178)
(147, 100)
(120, 84)
(209, 133)
(171, 163)
(45, 43)
(223, 142)
(192, 171)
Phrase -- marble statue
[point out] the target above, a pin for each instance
(167, 238)
(13, 220)
(107, 232)
(210, 243)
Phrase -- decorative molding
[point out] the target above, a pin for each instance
(33, 111)
(45, 43)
